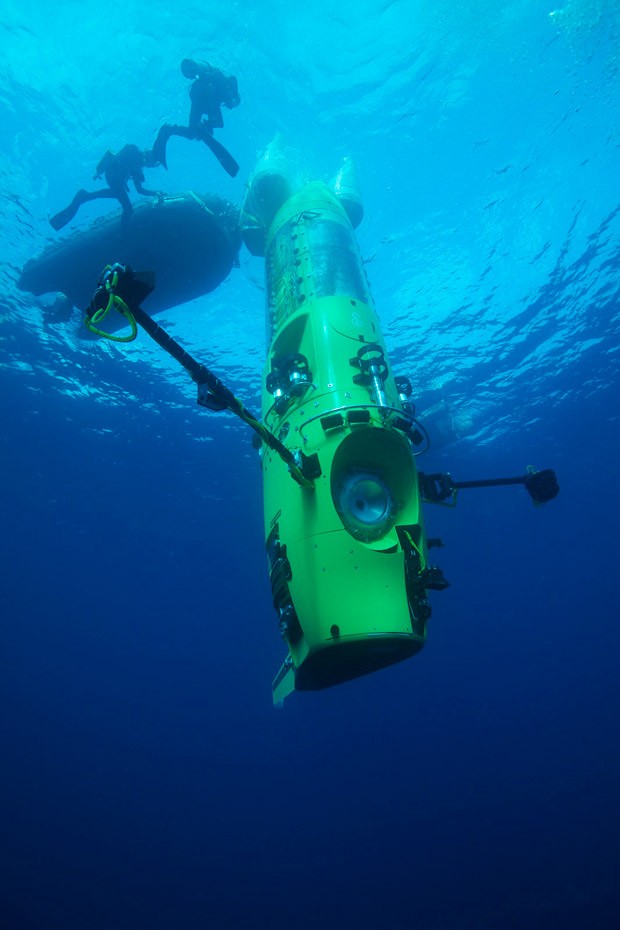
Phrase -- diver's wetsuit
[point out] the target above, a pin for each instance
(118, 170)
(210, 91)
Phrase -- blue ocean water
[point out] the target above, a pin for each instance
(146, 780)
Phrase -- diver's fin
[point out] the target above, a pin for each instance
(65, 216)
(159, 146)
(222, 154)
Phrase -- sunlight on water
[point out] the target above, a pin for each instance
(485, 139)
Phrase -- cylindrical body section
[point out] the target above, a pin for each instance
(347, 558)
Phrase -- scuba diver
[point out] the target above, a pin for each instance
(210, 91)
(117, 169)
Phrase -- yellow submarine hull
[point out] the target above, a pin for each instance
(347, 558)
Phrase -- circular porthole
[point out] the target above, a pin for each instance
(365, 505)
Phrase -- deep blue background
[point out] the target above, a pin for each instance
(148, 782)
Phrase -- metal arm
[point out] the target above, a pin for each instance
(542, 486)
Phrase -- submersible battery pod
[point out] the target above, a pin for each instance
(347, 558)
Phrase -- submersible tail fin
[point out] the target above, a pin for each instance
(284, 682)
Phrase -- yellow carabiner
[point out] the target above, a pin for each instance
(123, 309)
